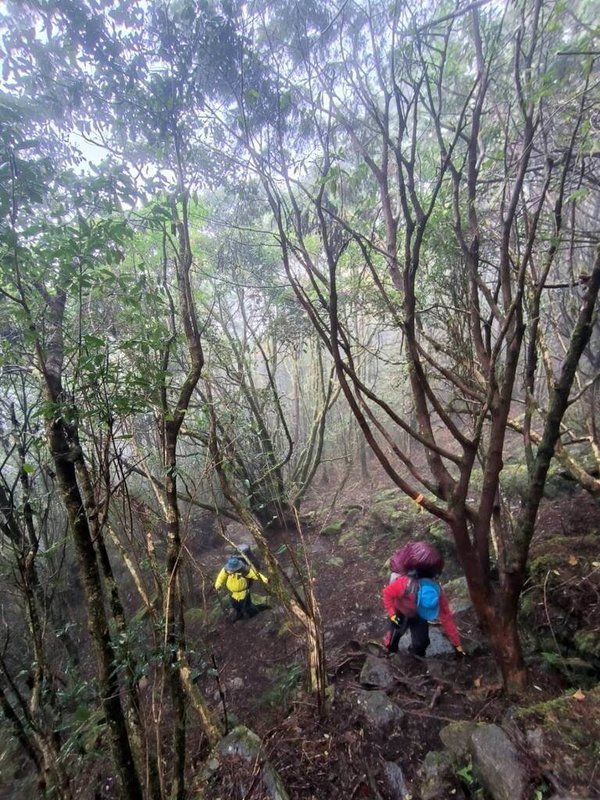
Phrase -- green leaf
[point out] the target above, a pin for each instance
(251, 95)
(82, 714)
(92, 341)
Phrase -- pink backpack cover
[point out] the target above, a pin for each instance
(420, 557)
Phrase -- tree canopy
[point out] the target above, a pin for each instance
(238, 242)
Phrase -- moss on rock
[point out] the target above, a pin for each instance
(332, 529)
(568, 731)
(587, 642)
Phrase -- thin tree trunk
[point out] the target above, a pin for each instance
(172, 419)
(557, 406)
(39, 748)
(126, 771)
(145, 759)
(174, 635)
(304, 610)
(65, 452)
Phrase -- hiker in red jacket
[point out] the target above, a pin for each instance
(414, 597)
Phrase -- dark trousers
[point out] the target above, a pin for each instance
(419, 635)
(244, 608)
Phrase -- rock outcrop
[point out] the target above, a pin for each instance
(241, 746)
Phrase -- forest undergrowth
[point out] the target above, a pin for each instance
(260, 662)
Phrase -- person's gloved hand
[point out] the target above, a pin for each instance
(395, 620)
(459, 651)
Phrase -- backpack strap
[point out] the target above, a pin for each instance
(413, 586)
(407, 602)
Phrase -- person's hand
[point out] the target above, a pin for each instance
(459, 651)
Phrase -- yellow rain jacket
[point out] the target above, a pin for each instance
(238, 584)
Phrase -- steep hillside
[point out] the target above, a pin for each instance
(386, 713)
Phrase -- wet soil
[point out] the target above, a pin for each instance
(258, 679)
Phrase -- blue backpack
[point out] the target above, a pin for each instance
(428, 599)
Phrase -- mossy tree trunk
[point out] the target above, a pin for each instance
(65, 451)
(172, 416)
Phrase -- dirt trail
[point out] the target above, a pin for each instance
(261, 663)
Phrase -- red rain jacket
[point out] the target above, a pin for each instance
(393, 594)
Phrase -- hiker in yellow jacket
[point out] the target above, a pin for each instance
(236, 576)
